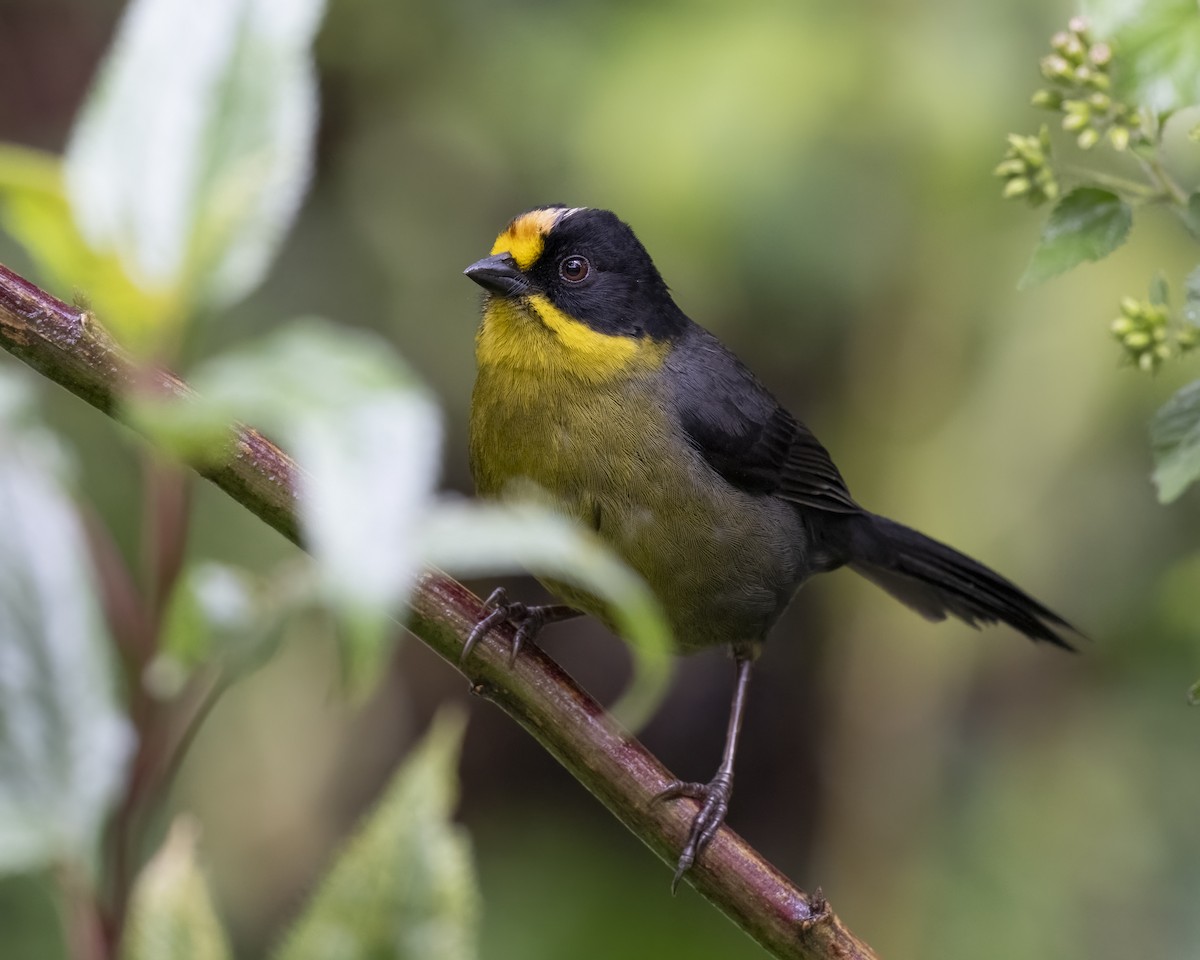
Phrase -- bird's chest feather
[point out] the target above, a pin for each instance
(588, 445)
(610, 455)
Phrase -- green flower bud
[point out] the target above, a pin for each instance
(1046, 99)
(1099, 80)
(1060, 40)
(1056, 68)
(1079, 26)
(1162, 352)
(1010, 167)
(1078, 114)
(1131, 308)
(1088, 138)
(1146, 362)
(1100, 54)
(1121, 326)
(1188, 338)
(1074, 49)
(1118, 136)
(1016, 187)
(1029, 149)
(1100, 101)
(1137, 340)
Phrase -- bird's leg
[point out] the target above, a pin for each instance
(527, 619)
(714, 795)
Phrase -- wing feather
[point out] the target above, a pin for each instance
(745, 435)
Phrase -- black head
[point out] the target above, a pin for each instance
(589, 264)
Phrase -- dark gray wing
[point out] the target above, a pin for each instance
(743, 432)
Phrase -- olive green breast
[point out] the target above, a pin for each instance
(612, 455)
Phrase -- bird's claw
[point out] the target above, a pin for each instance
(714, 804)
(528, 621)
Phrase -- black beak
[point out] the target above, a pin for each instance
(497, 274)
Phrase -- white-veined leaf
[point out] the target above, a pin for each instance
(64, 740)
(171, 915)
(404, 887)
(192, 153)
(476, 539)
(366, 436)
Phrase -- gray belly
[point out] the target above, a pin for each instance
(722, 562)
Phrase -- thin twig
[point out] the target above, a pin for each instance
(1144, 192)
(73, 350)
(84, 927)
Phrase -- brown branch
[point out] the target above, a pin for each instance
(70, 348)
(82, 921)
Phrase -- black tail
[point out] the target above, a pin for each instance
(935, 580)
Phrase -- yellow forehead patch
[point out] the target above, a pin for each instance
(525, 237)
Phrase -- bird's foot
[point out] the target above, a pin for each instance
(527, 619)
(714, 804)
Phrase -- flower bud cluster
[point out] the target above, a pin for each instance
(1026, 169)
(1080, 84)
(1144, 329)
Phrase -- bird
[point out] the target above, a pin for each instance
(594, 388)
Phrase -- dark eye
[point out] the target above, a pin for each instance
(574, 269)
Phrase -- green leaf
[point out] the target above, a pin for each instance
(367, 437)
(474, 539)
(212, 607)
(1175, 439)
(1158, 50)
(63, 738)
(220, 613)
(171, 915)
(1160, 290)
(1193, 694)
(209, 601)
(1191, 215)
(1178, 151)
(192, 153)
(404, 887)
(1087, 224)
(1191, 298)
(34, 210)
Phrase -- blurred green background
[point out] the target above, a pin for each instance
(814, 182)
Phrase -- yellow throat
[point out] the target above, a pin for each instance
(531, 334)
